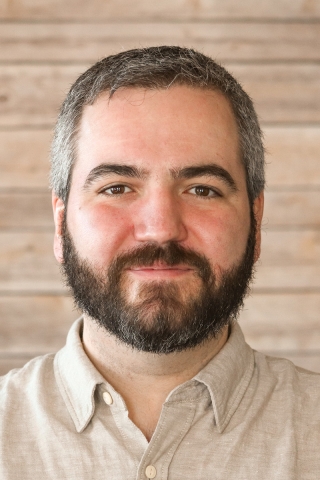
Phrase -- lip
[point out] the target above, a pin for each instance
(161, 271)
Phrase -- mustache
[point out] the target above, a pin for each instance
(171, 254)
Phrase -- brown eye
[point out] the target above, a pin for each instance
(202, 191)
(117, 189)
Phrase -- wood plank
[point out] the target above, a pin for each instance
(291, 247)
(227, 41)
(280, 278)
(21, 211)
(292, 209)
(31, 94)
(34, 325)
(284, 92)
(282, 322)
(27, 262)
(164, 10)
(292, 157)
(24, 158)
(290, 260)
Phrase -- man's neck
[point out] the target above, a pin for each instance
(144, 380)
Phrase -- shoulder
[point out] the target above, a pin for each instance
(290, 385)
(25, 384)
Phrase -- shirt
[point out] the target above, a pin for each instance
(244, 416)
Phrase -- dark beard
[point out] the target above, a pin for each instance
(160, 322)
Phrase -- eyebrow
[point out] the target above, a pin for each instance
(208, 170)
(106, 169)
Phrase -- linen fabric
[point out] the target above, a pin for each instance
(244, 416)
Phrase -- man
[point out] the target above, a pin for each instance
(157, 177)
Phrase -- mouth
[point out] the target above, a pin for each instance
(160, 270)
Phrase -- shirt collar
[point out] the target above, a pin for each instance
(77, 378)
(227, 376)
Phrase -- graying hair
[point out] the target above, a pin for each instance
(155, 68)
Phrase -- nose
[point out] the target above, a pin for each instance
(158, 219)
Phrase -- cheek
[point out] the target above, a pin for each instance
(221, 237)
(99, 232)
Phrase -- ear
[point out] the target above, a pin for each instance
(58, 214)
(258, 205)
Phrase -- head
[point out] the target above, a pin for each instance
(155, 68)
(157, 173)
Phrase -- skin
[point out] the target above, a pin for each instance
(159, 133)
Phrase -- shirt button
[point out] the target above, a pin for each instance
(151, 471)
(107, 398)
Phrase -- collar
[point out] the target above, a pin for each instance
(226, 376)
(77, 378)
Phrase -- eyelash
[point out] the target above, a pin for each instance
(120, 185)
(214, 192)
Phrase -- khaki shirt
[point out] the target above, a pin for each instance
(244, 416)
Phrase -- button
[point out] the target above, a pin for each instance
(151, 471)
(109, 400)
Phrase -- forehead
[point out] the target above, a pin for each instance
(157, 129)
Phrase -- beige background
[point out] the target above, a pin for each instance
(272, 46)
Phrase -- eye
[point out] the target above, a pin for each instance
(204, 191)
(116, 190)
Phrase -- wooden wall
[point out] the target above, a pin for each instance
(272, 46)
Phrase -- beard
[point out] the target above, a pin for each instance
(165, 317)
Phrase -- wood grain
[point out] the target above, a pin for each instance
(24, 158)
(282, 322)
(292, 157)
(34, 325)
(26, 211)
(31, 94)
(173, 10)
(27, 262)
(86, 42)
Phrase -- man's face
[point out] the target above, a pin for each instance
(158, 200)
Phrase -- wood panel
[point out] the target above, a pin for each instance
(292, 157)
(27, 263)
(293, 209)
(173, 10)
(35, 325)
(26, 211)
(54, 42)
(282, 322)
(31, 94)
(24, 158)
